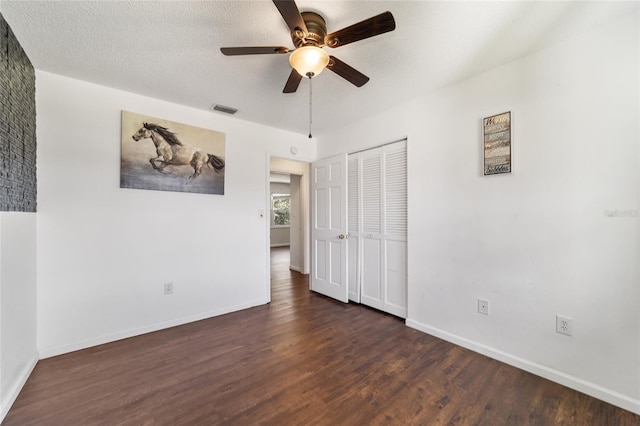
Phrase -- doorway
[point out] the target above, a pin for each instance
(288, 224)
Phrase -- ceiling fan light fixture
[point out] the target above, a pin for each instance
(309, 61)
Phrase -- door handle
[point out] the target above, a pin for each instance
(342, 236)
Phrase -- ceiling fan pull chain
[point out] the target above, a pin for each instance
(310, 103)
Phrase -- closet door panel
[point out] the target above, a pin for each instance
(353, 268)
(353, 227)
(378, 227)
(371, 194)
(371, 272)
(395, 299)
(395, 186)
(371, 201)
(395, 228)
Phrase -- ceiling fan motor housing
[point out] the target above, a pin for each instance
(317, 31)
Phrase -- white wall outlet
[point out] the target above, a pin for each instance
(168, 288)
(483, 306)
(564, 325)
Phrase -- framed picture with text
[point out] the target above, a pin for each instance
(497, 143)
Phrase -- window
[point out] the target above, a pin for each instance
(280, 209)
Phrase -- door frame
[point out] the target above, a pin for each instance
(297, 167)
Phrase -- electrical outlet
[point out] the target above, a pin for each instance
(168, 288)
(564, 325)
(483, 306)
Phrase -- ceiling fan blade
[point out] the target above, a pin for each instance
(374, 26)
(253, 50)
(347, 72)
(291, 15)
(293, 82)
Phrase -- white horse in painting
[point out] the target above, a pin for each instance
(172, 152)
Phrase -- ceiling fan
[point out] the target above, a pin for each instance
(309, 35)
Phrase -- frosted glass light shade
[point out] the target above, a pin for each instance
(309, 59)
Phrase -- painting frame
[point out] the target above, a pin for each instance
(496, 143)
(163, 155)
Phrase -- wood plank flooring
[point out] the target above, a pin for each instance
(302, 360)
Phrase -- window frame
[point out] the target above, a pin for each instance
(274, 197)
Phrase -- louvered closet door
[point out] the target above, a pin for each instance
(353, 228)
(395, 229)
(371, 270)
(380, 196)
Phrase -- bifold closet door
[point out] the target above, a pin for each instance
(372, 244)
(395, 229)
(353, 228)
(379, 242)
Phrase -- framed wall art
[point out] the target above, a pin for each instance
(162, 155)
(497, 143)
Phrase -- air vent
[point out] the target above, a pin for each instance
(225, 109)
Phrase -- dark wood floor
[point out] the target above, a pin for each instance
(303, 359)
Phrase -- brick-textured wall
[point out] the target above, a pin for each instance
(17, 125)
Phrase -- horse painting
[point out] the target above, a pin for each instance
(172, 152)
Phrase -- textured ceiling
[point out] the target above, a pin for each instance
(170, 49)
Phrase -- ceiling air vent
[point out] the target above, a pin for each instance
(225, 109)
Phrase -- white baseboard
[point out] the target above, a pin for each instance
(16, 387)
(612, 397)
(59, 350)
(280, 245)
(295, 268)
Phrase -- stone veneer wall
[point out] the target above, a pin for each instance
(18, 188)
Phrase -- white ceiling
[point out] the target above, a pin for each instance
(170, 49)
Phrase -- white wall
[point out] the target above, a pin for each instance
(18, 352)
(105, 252)
(559, 235)
(18, 309)
(296, 251)
(280, 236)
(280, 188)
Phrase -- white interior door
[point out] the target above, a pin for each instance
(295, 225)
(372, 234)
(328, 227)
(353, 228)
(395, 228)
(378, 229)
